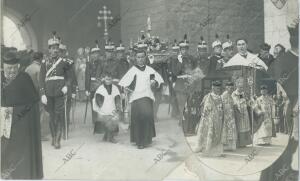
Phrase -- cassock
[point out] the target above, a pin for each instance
(264, 133)
(210, 128)
(229, 129)
(21, 151)
(142, 128)
(242, 119)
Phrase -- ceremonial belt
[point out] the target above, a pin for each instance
(53, 67)
(55, 78)
(184, 76)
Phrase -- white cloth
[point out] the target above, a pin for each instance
(143, 83)
(109, 106)
(5, 121)
(251, 60)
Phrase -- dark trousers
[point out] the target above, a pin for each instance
(174, 103)
(56, 109)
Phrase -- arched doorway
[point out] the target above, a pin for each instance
(16, 35)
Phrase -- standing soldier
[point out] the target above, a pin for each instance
(92, 76)
(186, 63)
(202, 55)
(214, 60)
(227, 51)
(174, 68)
(110, 62)
(122, 68)
(227, 54)
(122, 65)
(71, 88)
(54, 80)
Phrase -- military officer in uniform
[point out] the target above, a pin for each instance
(110, 61)
(123, 64)
(54, 82)
(93, 74)
(227, 51)
(122, 68)
(72, 88)
(186, 63)
(227, 54)
(214, 60)
(174, 68)
(202, 52)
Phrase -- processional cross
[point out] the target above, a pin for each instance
(104, 15)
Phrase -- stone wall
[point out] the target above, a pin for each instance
(173, 18)
(134, 15)
(74, 20)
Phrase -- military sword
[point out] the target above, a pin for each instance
(86, 107)
(73, 110)
(66, 119)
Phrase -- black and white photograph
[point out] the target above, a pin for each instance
(166, 90)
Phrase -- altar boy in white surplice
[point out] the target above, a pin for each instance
(107, 104)
(141, 81)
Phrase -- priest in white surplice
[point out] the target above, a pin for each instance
(141, 81)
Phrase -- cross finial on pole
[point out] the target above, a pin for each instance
(104, 15)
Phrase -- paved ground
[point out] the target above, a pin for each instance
(234, 162)
(91, 158)
(193, 170)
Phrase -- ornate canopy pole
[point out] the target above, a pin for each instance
(149, 26)
(104, 15)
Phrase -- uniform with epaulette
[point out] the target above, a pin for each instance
(202, 51)
(93, 74)
(215, 63)
(174, 69)
(72, 88)
(186, 63)
(110, 63)
(54, 82)
(122, 64)
(192, 113)
(122, 68)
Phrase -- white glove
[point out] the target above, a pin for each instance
(151, 59)
(179, 57)
(64, 89)
(73, 96)
(87, 93)
(44, 99)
